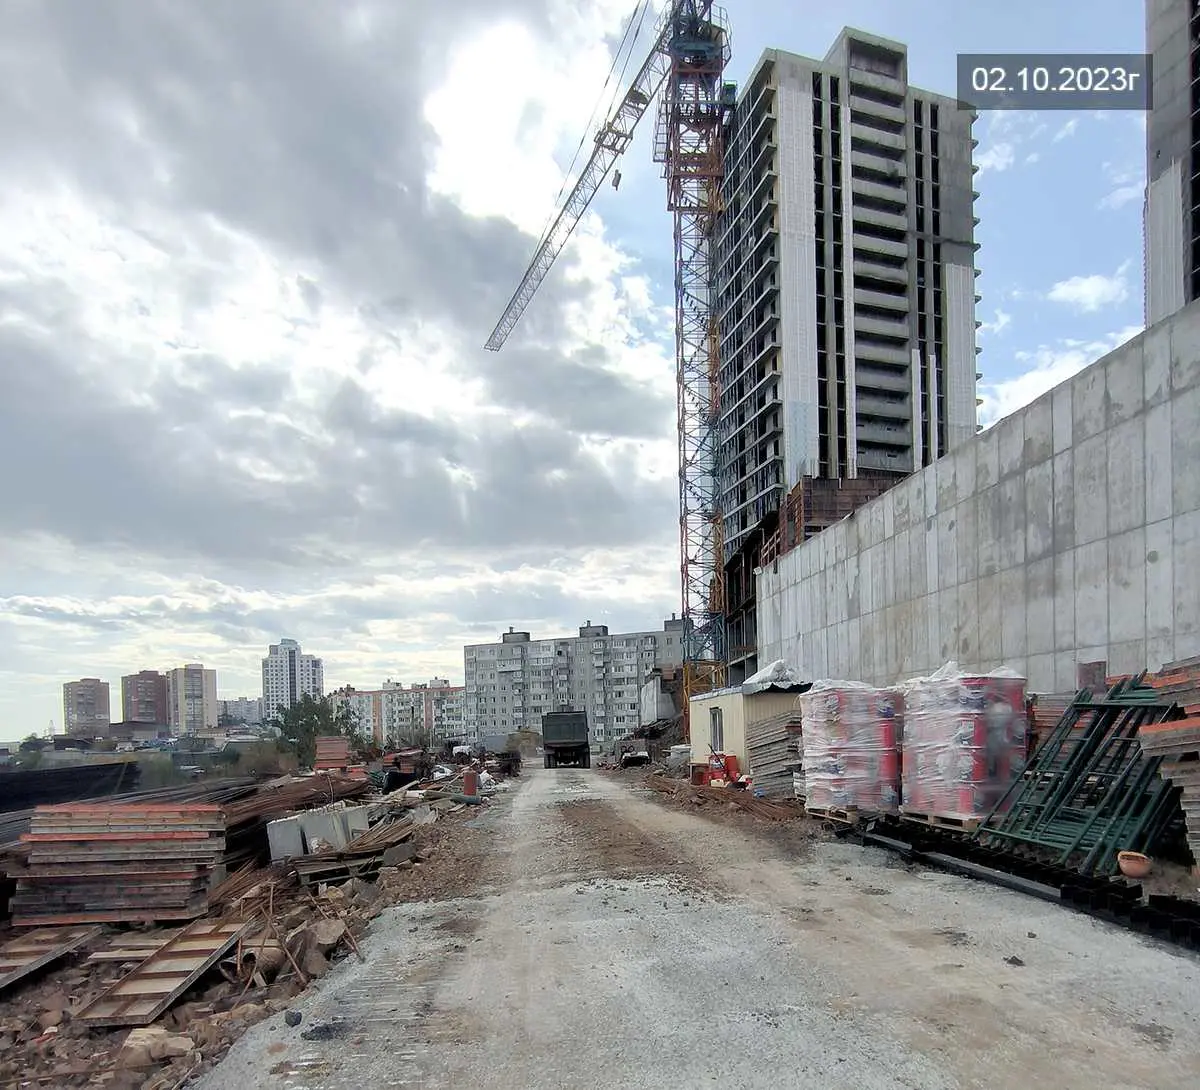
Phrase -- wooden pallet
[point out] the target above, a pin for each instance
(946, 821)
(835, 813)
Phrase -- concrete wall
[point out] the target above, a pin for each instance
(1067, 533)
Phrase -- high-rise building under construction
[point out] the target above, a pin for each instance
(845, 294)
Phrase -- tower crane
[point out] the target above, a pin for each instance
(685, 69)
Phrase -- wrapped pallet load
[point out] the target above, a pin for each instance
(851, 755)
(964, 742)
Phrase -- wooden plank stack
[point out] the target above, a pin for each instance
(1177, 742)
(333, 753)
(773, 747)
(111, 863)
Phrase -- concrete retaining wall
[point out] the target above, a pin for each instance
(1067, 533)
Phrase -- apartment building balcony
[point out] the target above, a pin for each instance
(870, 376)
(893, 113)
(881, 217)
(881, 137)
(877, 431)
(861, 186)
(875, 160)
(872, 402)
(895, 329)
(865, 266)
(892, 247)
(898, 303)
(886, 460)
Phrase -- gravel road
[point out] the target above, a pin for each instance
(613, 942)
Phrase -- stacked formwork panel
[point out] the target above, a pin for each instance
(851, 747)
(964, 743)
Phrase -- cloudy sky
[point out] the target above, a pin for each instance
(251, 249)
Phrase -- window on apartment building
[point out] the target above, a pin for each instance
(716, 730)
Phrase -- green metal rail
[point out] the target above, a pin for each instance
(1088, 792)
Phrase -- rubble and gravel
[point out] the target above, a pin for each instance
(42, 1045)
(611, 942)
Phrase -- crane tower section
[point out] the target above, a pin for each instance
(694, 106)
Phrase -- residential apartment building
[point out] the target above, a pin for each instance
(288, 674)
(511, 684)
(144, 698)
(845, 288)
(1172, 205)
(192, 700)
(246, 710)
(85, 707)
(429, 713)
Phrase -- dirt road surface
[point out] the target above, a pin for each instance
(612, 942)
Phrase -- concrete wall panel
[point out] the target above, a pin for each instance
(1068, 533)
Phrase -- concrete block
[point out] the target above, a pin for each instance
(1063, 413)
(1156, 481)
(916, 502)
(1064, 672)
(1127, 657)
(1185, 450)
(967, 527)
(1091, 592)
(1012, 521)
(903, 567)
(285, 838)
(1088, 404)
(968, 624)
(931, 557)
(1091, 490)
(1185, 349)
(1186, 565)
(1160, 581)
(1039, 510)
(1064, 501)
(853, 593)
(1010, 439)
(933, 639)
(1064, 600)
(964, 471)
(1039, 674)
(1156, 363)
(854, 647)
(987, 459)
(947, 483)
(1125, 476)
(1039, 431)
(947, 549)
(1039, 611)
(917, 582)
(1125, 382)
(1012, 613)
(991, 618)
(887, 503)
(987, 529)
(1127, 586)
(1159, 651)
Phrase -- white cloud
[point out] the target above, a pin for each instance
(997, 158)
(1032, 157)
(997, 325)
(1045, 368)
(1066, 130)
(1091, 293)
(1128, 184)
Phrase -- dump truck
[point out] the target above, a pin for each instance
(565, 739)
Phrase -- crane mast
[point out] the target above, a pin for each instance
(686, 69)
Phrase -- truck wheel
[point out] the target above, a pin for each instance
(587, 760)
(546, 760)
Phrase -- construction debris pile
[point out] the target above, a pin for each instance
(244, 932)
(964, 743)
(851, 741)
(686, 793)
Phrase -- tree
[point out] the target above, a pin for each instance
(33, 744)
(311, 718)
